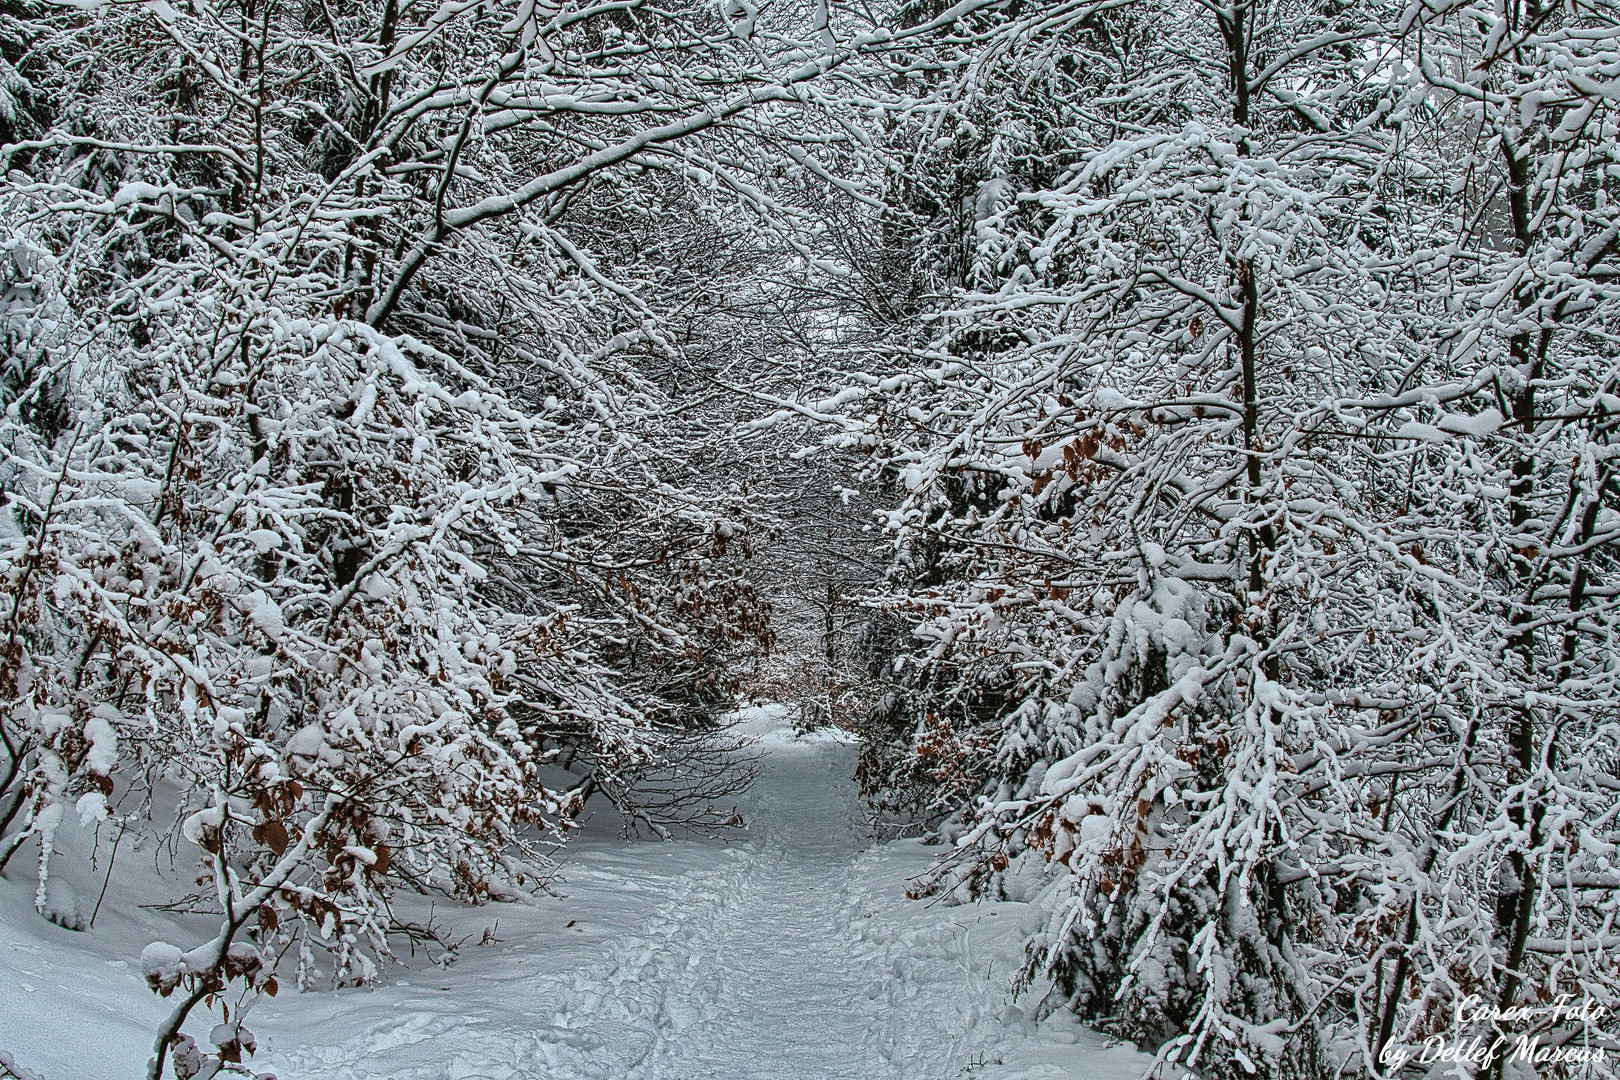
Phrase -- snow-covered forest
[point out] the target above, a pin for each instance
(1156, 458)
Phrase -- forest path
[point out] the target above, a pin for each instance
(780, 980)
(793, 955)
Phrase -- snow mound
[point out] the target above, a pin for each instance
(62, 905)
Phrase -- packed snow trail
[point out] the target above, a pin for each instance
(756, 966)
(778, 983)
(793, 955)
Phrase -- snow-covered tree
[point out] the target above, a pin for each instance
(1256, 527)
(1237, 382)
(353, 475)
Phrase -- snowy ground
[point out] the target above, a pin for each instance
(793, 955)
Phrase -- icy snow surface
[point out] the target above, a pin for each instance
(791, 955)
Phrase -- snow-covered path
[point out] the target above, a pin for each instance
(778, 981)
(793, 955)
(762, 961)
(775, 984)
